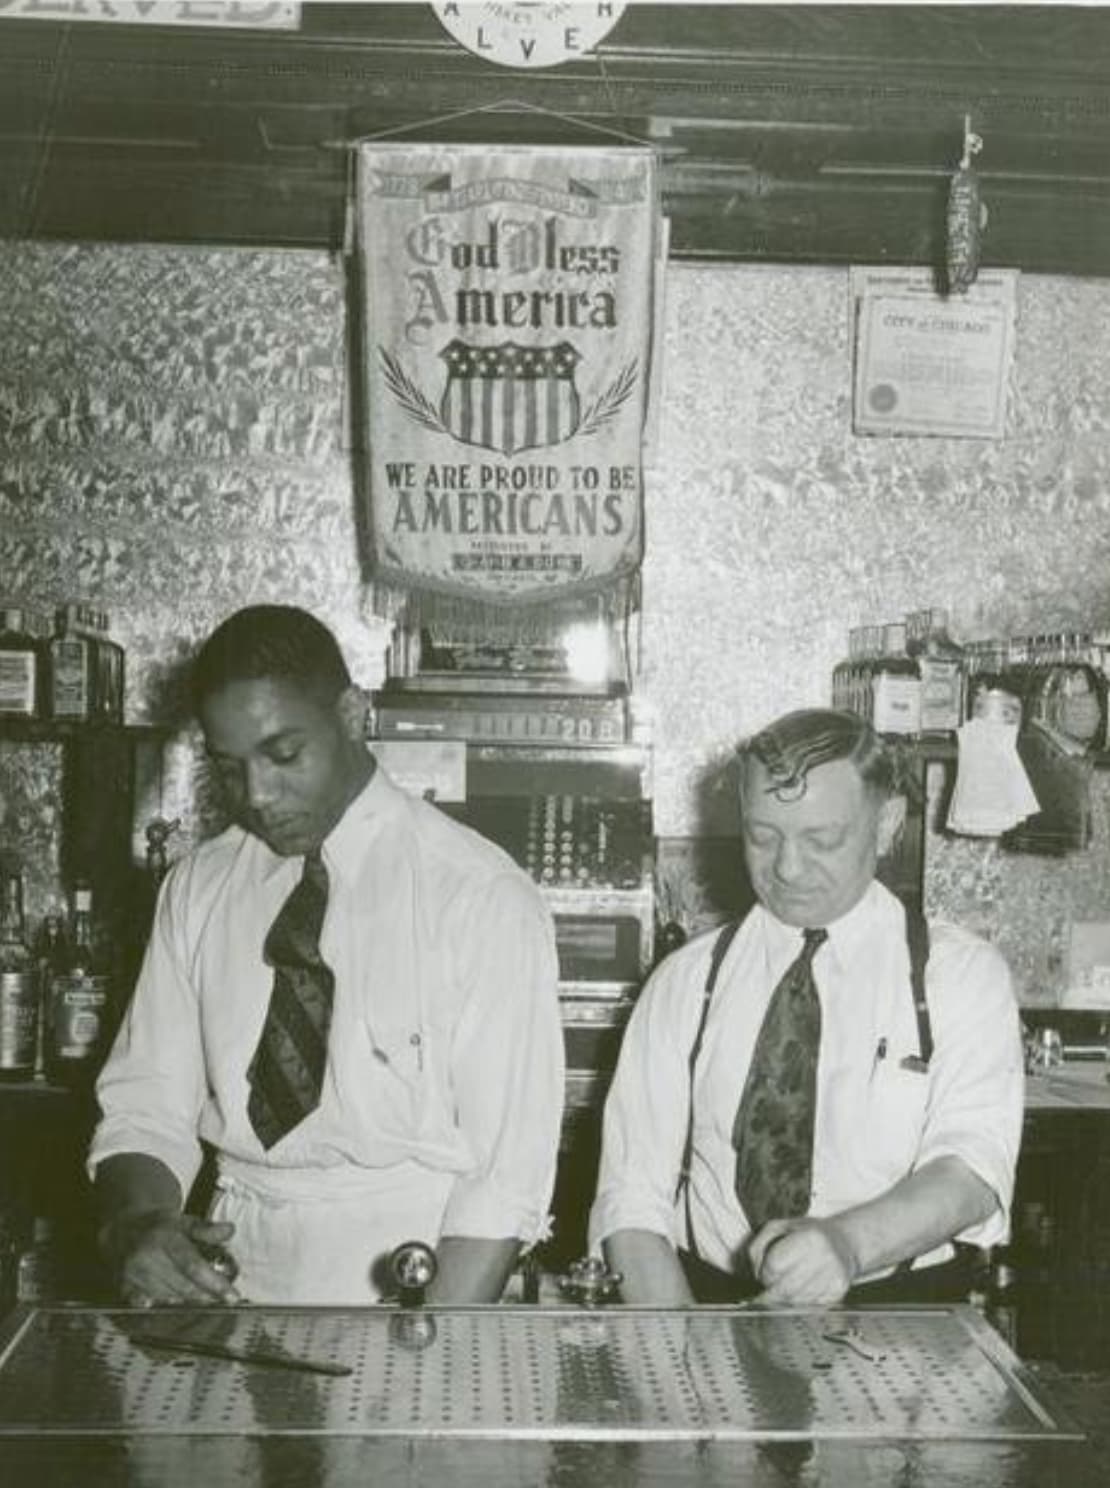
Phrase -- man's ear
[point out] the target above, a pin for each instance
(892, 818)
(354, 705)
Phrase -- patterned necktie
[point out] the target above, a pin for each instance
(773, 1130)
(287, 1071)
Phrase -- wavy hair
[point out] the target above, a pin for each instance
(798, 742)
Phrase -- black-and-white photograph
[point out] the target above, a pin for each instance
(554, 744)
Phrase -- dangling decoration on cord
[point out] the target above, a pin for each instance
(967, 217)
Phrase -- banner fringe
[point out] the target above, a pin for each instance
(457, 619)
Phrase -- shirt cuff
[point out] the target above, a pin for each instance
(481, 1209)
(629, 1210)
(990, 1167)
(114, 1140)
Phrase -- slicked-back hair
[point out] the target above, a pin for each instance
(798, 742)
(270, 641)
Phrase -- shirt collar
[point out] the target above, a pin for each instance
(848, 933)
(345, 846)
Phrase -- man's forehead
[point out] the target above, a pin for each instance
(259, 706)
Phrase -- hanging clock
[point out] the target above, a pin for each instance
(541, 34)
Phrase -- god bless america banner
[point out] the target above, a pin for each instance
(508, 297)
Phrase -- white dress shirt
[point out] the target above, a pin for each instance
(443, 1089)
(876, 1121)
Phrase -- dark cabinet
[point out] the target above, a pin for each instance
(1060, 1249)
(45, 1129)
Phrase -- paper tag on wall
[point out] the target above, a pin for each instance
(1088, 976)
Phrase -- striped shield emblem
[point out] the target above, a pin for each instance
(509, 397)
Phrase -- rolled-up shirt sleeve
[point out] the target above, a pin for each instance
(646, 1112)
(152, 1087)
(977, 1086)
(506, 1064)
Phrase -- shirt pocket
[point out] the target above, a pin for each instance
(398, 1049)
(897, 1105)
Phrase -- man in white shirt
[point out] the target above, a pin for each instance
(422, 1053)
(914, 1112)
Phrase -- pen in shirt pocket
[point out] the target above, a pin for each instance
(880, 1055)
(416, 1043)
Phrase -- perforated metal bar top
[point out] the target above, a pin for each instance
(505, 1372)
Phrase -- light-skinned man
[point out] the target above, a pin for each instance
(793, 1116)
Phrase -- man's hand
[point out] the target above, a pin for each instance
(158, 1261)
(802, 1262)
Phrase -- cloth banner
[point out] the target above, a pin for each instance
(507, 315)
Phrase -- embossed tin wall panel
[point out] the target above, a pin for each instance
(772, 529)
(173, 444)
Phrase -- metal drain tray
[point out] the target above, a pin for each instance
(618, 1373)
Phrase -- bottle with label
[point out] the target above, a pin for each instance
(852, 679)
(985, 662)
(51, 950)
(22, 663)
(109, 692)
(940, 666)
(80, 1000)
(73, 667)
(841, 672)
(36, 1266)
(895, 686)
(19, 1001)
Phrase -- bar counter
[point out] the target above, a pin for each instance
(529, 1397)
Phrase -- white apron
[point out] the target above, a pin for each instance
(323, 1236)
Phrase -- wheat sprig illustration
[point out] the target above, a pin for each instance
(608, 404)
(412, 400)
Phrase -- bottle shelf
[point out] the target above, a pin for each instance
(66, 730)
(41, 1090)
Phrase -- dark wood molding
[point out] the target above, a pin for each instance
(791, 133)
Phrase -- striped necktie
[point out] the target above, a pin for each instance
(287, 1071)
(773, 1130)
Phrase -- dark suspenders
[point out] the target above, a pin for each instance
(917, 943)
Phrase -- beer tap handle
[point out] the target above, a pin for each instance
(589, 1282)
(413, 1268)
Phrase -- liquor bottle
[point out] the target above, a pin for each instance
(840, 674)
(73, 667)
(18, 1010)
(895, 686)
(845, 672)
(109, 692)
(940, 666)
(80, 1000)
(22, 663)
(51, 950)
(864, 645)
(18, 987)
(36, 1266)
(985, 663)
(1002, 1302)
